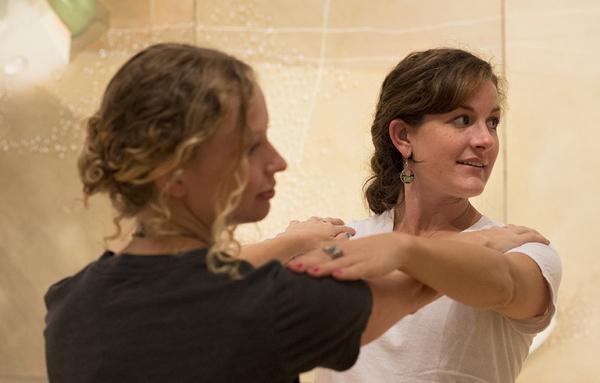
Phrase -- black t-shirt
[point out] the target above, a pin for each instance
(131, 318)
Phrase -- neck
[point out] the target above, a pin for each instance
(158, 245)
(427, 216)
(172, 238)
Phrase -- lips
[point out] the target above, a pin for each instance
(267, 194)
(473, 163)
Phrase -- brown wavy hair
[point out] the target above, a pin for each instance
(156, 112)
(430, 82)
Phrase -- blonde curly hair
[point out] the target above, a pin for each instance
(157, 110)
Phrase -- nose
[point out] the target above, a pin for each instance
(277, 163)
(483, 137)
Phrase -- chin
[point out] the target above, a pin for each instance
(251, 215)
(474, 191)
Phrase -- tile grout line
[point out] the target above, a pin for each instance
(505, 138)
(320, 70)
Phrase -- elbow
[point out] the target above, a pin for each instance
(505, 292)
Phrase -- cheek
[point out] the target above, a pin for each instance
(495, 151)
(253, 181)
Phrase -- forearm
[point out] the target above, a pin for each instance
(470, 274)
(394, 297)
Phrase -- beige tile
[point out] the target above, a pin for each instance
(321, 87)
(128, 14)
(427, 14)
(552, 166)
(264, 47)
(164, 12)
(260, 13)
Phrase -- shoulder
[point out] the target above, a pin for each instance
(289, 287)
(545, 256)
(547, 259)
(62, 288)
(376, 224)
(295, 297)
(314, 321)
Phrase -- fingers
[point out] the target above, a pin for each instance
(332, 220)
(529, 234)
(328, 226)
(310, 261)
(343, 236)
(344, 268)
(345, 231)
(320, 263)
(518, 228)
(534, 236)
(329, 267)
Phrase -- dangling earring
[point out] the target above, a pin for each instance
(407, 176)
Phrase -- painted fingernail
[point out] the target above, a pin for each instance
(314, 269)
(337, 273)
(298, 266)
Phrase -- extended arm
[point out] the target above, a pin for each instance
(480, 277)
(298, 238)
(471, 274)
(394, 297)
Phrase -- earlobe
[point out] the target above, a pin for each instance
(398, 131)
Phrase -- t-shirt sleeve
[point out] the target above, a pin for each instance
(549, 263)
(318, 321)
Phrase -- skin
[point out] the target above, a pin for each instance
(455, 153)
(191, 198)
(191, 203)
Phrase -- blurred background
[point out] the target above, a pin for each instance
(321, 63)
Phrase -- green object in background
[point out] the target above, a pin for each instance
(76, 14)
(3, 7)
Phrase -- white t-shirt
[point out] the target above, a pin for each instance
(447, 341)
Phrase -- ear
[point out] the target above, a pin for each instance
(398, 131)
(174, 188)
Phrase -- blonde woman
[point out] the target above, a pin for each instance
(180, 145)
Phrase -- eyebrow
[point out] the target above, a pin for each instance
(467, 107)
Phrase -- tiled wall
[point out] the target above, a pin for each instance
(321, 63)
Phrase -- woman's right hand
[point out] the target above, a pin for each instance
(298, 238)
(312, 233)
(319, 229)
(501, 238)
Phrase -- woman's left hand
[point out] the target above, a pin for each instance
(368, 257)
(500, 238)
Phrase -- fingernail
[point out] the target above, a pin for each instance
(337, 273)
(298, 266)
(314, 269)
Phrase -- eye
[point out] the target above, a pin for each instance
(462, 121)
(493, 123)
(254, 147)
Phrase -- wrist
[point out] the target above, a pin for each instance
(297, 243)
(404, 246)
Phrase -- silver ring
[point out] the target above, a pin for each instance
(333, 251)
